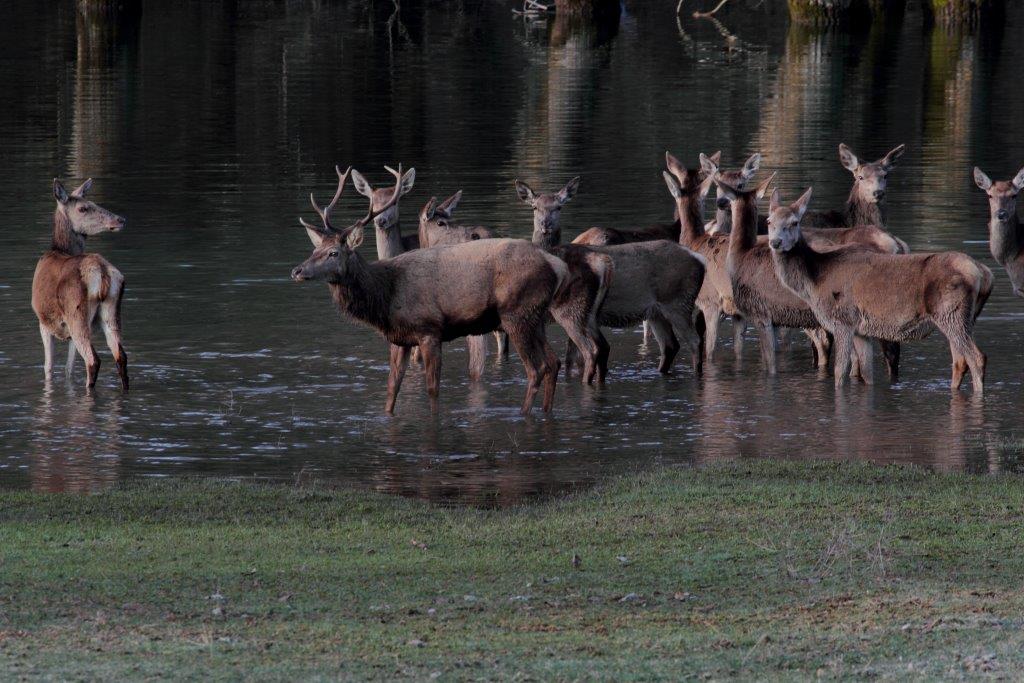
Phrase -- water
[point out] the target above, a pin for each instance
(207, 124)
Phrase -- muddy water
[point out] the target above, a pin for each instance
(207, 124)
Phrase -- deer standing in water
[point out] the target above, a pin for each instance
(1005, 233)
(390, 240)
(436, 228)
(428, 296)
(70, 286)
(655, 281)
(858, 294)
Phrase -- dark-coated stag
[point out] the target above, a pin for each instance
(71, 287)
(428, 296)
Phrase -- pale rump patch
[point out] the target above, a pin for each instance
(92, 278)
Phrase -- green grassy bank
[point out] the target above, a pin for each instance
(762, 570)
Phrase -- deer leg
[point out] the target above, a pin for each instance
(667, 342)
(92, 361)
(739, 328)
(501, 338)
(971, 357)
(69, 367)
(682, 325)
(766, 338)
(47, 350)
(550, 372)
(476, 346)
(580, 343)
(959, 367)
(416, 356)
(712, 314)
(891, 353)
(430, 351)
(841, 353)
(603, 351)
(110, 319)
(864, 350)
(647, 333)
(399, 361)
(531, 353)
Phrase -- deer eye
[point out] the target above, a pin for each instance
(83, 209)
(333, 253)
(443, 224)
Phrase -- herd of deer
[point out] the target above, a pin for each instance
(839, 276)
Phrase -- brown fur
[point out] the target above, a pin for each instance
(858, 294)
(475, 288)
(1005, 230)
(70, 287)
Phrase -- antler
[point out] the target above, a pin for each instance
(325, 212)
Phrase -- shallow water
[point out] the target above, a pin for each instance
(207, 124)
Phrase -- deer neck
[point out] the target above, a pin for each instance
(797, 267)
(66, 240)
(860, 212)
(743, 235)
(690, 217)
(364, 292)
(1005, 239)
(389, 240)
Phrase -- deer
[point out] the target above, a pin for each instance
(390, 241)
(858, 294)
(70, 287)
(655, 281)
(863, 237)
(1005, 234)
(428, 296)
(866, 204)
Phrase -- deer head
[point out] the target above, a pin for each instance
(784, 221)
(731, 184)
(547, 209)
(1002, 198)
(386, 219)
(334, 249)
(869, 179)
(85, 217)
(683, 182)
(440, 214)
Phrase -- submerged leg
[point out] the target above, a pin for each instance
(399, 361)
(47, 349)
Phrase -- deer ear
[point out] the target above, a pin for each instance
(447, 207)
(59, 193)
(708, 166)
(1018, 180)
(724, 189)
(750, 168)
(890, 159)
(569, 191)
(982, 180)
(315, 237)
(763, 187)
(799, 207)
(675, 167)
(355, 237)
(775, 203)
(705, 187)
(82, 189)
(408, 180)
(427, 212)
(362, 187)
(717, 158)
(525, 193)
(673, 186)
(847, 158)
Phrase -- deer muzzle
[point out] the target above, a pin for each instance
(297, 274)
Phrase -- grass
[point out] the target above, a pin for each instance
(758, 570)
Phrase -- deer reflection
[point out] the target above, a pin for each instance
(76, 439)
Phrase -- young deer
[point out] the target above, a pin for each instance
(1005, 233)
(437, 229)
(858, 294)
(722, 225)
(390, 241)
(428, 296)
(70, 287)
(654, 281)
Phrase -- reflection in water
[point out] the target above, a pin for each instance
(211, 149)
